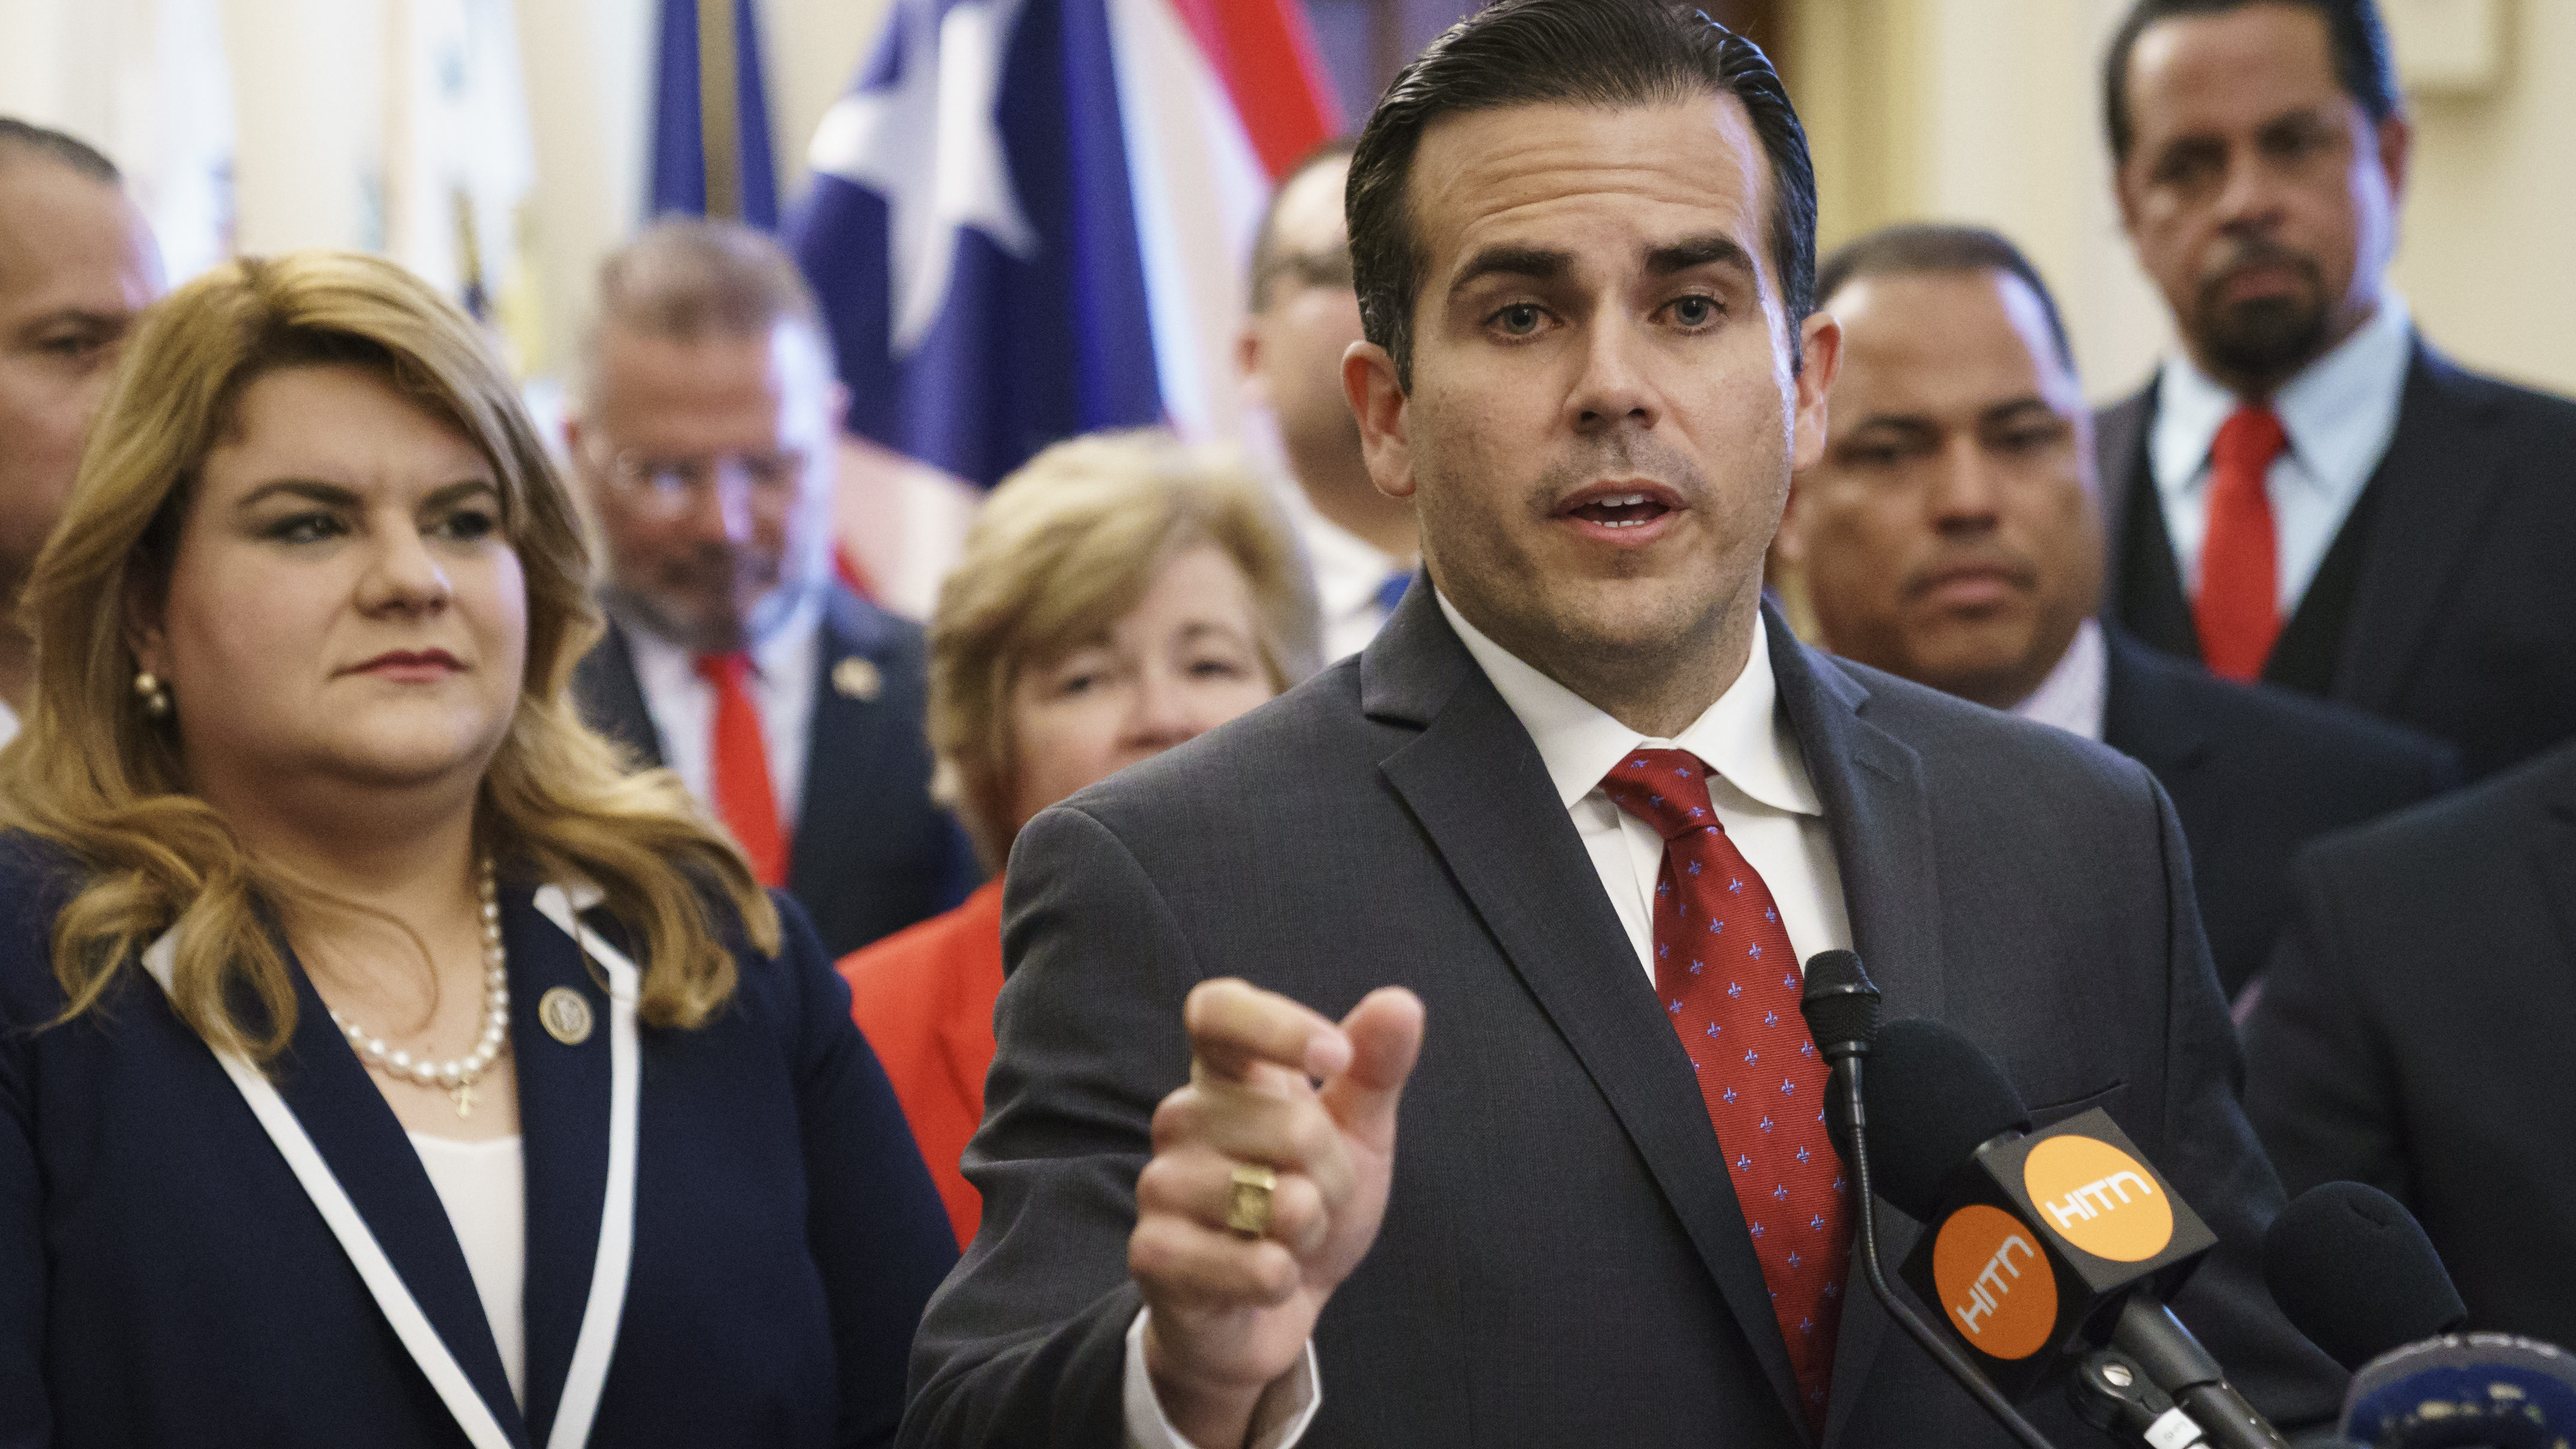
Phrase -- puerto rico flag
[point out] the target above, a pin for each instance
(1030, 219)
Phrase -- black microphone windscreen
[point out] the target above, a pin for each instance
(1840, 1004)
(1933, 1099)
(2352, 1269)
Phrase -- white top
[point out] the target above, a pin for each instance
(1757, 781)
(8, 725)
(781, 685)
(2072, 695)
(484, 1187)
(1349, 573)
(2340, 413)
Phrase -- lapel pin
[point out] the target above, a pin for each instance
(565, 1015)
(859, 679)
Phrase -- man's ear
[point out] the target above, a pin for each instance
(1378, 401)
(1787, 545)
(2396, 150)
(1821, 346)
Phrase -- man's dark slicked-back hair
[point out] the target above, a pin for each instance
(1915, 248)
(1605, 53)
(2356, 39)
(18, 138)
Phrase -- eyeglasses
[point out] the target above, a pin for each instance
(675, 487)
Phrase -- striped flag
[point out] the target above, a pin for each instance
(711, 153)
(1029, 218)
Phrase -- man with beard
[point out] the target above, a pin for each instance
(1950, 535)
(704, 438)
(2310, 494)
(1543, 862)
(1304, 316)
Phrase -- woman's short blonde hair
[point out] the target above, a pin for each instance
(1063, 549)
(95, 775)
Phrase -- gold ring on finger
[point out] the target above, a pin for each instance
(1247, 1201)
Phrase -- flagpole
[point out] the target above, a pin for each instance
(718, 108)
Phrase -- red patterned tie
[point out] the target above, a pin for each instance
(746, 801)
(2238, 613)
(1730, 985)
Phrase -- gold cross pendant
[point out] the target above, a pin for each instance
(463, 1092)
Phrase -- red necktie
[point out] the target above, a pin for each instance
(2238, 612)
(745, 799)
(1730, 985)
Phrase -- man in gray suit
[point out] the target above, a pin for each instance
(1586, 804)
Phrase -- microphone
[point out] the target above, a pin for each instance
(2353, 1270)
(2049, 1246)
(1841, 1007)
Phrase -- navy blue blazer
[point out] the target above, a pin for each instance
(872, 853)
(2254, 773)
(165, 1280)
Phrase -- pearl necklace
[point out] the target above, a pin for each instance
(458, 1075)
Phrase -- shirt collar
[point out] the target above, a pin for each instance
(2339, 411)
(2071, 696)
(1348, 568)
(1740, 738)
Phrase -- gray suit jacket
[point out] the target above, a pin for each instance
(1562, 1261)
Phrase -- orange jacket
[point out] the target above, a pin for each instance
(924, 998)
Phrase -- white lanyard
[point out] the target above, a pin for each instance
(591, 1348)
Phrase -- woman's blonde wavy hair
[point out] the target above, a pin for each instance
(97, 777)
(1059, 553)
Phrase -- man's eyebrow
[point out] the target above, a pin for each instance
(1700, 251)
(1537, 264)
(2013, 408)
(79, 317)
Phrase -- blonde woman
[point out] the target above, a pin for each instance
(378, 1064)
(1118, 596)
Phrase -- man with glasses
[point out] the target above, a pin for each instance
(703, 437)
(1304, 315)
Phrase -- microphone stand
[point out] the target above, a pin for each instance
(1847, 1072)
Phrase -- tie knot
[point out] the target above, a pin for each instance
(2248, 441)
(724, 671)
(1667, 789)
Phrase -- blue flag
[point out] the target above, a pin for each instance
(680, 142)
(972, 235)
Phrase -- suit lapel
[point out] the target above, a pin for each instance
(612, 698)
(1872, 789)
(1475, 782)
(2120, 457)
(563, 1121)
(840, 750)
(354, 1129)
(2154, 727)
(2442, 474)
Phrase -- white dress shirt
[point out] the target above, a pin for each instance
(2073, 694)
(8, 726)
(2340, 413)
(1349, 572)
(484, 1187)
(1757, 782)
(780, 683)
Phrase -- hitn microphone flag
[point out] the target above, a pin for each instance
(1029, 218)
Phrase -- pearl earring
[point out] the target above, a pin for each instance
(154, 694)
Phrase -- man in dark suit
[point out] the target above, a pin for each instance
(2412, 1034)
(787, 703)
(2309, 493)
(1589, 805)
(1949, 535)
